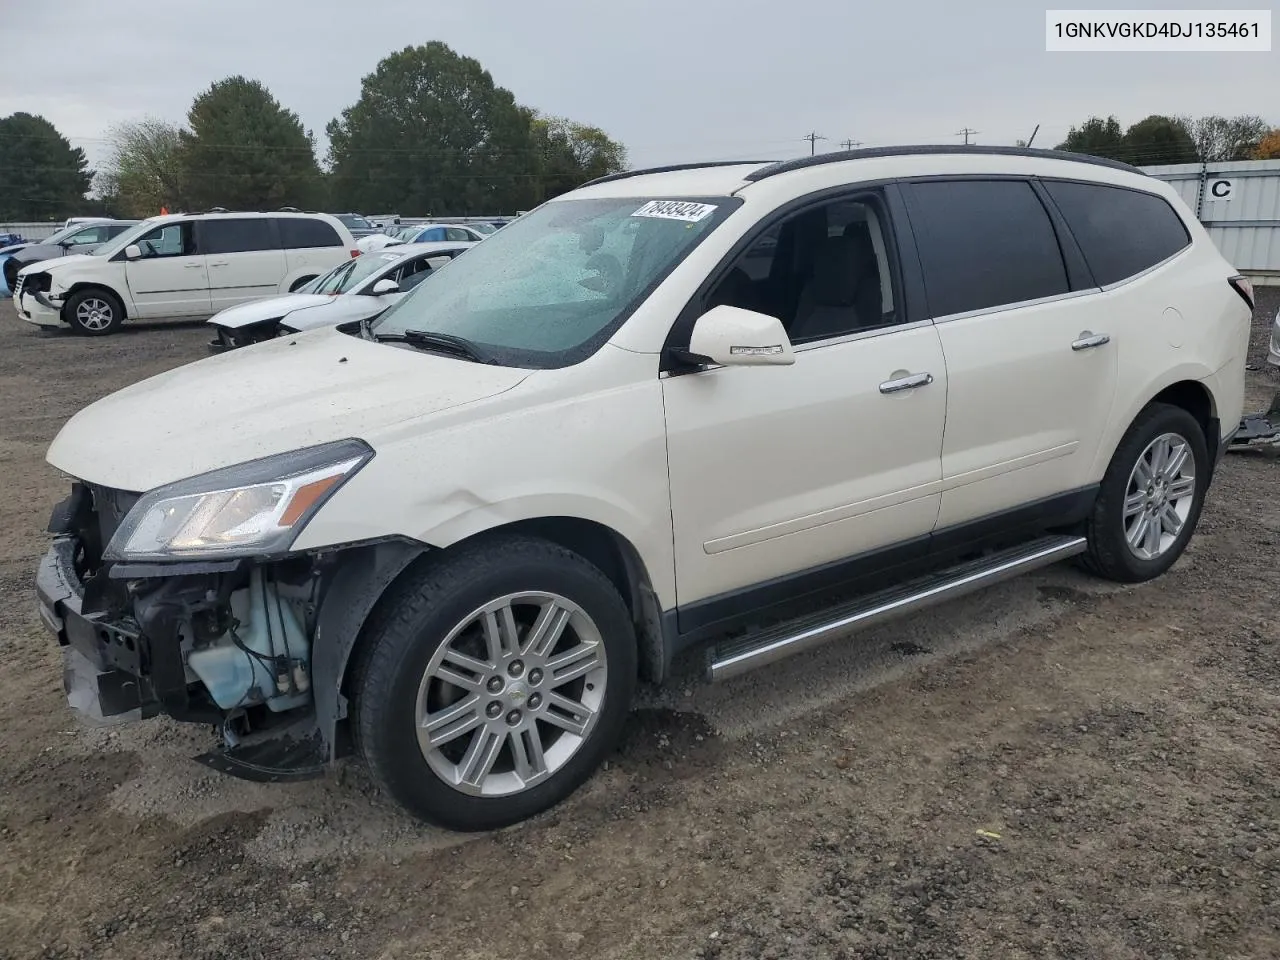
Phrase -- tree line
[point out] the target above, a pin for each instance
(1161, 139)
(430, 135)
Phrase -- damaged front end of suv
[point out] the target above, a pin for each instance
(186, 601)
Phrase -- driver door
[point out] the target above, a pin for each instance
(170, 279)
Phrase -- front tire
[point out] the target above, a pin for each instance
(1151, 497)
(94, 312)
(492, 685)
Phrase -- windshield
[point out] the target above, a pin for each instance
(63, 234)
(112, 247)
(344, 277)
(485, 228)
(552, 287)
(352, 222)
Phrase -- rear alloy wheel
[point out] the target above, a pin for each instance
(493, 684)
(94, 313)
(1150, 498)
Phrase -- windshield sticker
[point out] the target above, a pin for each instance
(676, 210)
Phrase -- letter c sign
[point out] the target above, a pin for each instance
(1220, 189)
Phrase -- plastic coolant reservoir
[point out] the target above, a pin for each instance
(268, 626)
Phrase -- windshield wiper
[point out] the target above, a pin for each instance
(444, 342)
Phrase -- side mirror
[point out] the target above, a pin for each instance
(384, 286)
(133, 252)
(734, 337)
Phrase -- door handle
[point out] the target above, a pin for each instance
(194, 266)
(1088, 340)
(220, 263)
(906, 383)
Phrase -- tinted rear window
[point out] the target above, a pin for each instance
(299, 232)
(984, 243)
(227, 235)
(1121, 232)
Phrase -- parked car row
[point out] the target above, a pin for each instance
(180, 265)
(80, 236)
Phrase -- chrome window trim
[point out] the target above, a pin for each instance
(1018, 305)
(859, 335)
(1151, 269)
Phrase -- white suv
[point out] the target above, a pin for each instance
(185, 265)
(662, 409)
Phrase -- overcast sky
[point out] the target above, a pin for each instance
(674, 80)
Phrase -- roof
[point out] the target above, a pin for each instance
(724, 178)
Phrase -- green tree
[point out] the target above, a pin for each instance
(1158, 139)
(569, 154)
(42, 177)
(1096, 137)
(433, 134)
(244, 151)
(142, 173)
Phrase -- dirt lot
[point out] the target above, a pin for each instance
(1053, 768)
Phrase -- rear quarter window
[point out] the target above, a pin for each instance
(984, 244)
(303, 232)
(1121, 232)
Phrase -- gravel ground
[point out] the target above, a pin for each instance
(1055, 767)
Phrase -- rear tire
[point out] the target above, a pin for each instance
(470, 716)
(1150, 498)
(94, 312)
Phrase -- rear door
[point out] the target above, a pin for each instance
(1030, 373)
(244, 258)
(170, 279)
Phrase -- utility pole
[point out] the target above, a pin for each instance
(1033, 135)
(813, 139)
(850, 144)
(967, 133)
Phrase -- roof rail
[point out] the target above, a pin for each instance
(672, 168)
(905, 151)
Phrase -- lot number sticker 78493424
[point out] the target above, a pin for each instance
(676, 210)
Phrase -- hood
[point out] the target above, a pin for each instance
(338, 310)
(56, 261)
(284, 394)
(36, 252)
(14, 248)
(266, 308)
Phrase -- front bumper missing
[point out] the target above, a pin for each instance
(103, 671)
(116, 671)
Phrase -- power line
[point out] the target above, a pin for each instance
(813, 139)
(967, 133)
(850, 144)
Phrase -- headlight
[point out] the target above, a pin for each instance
(254, 508)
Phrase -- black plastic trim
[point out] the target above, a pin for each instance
(801, 163)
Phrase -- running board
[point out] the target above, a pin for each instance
(795, 636)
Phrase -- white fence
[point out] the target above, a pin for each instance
(32, 231)
(1239, 204)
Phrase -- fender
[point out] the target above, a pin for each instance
(126, 302)
(360, 579)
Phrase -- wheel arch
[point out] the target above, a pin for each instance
(1190, 389)
(361, 576)
(80, 285)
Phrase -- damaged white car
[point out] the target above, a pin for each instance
(753, 405)
(354, 290)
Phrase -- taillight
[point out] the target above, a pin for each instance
(354, 254)
(1242, 286)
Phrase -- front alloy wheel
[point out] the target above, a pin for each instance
(492, 680)
(512, 694)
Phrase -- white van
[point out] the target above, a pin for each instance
(184, 265)
(750, 406)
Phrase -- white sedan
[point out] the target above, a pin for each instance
(353, 290)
